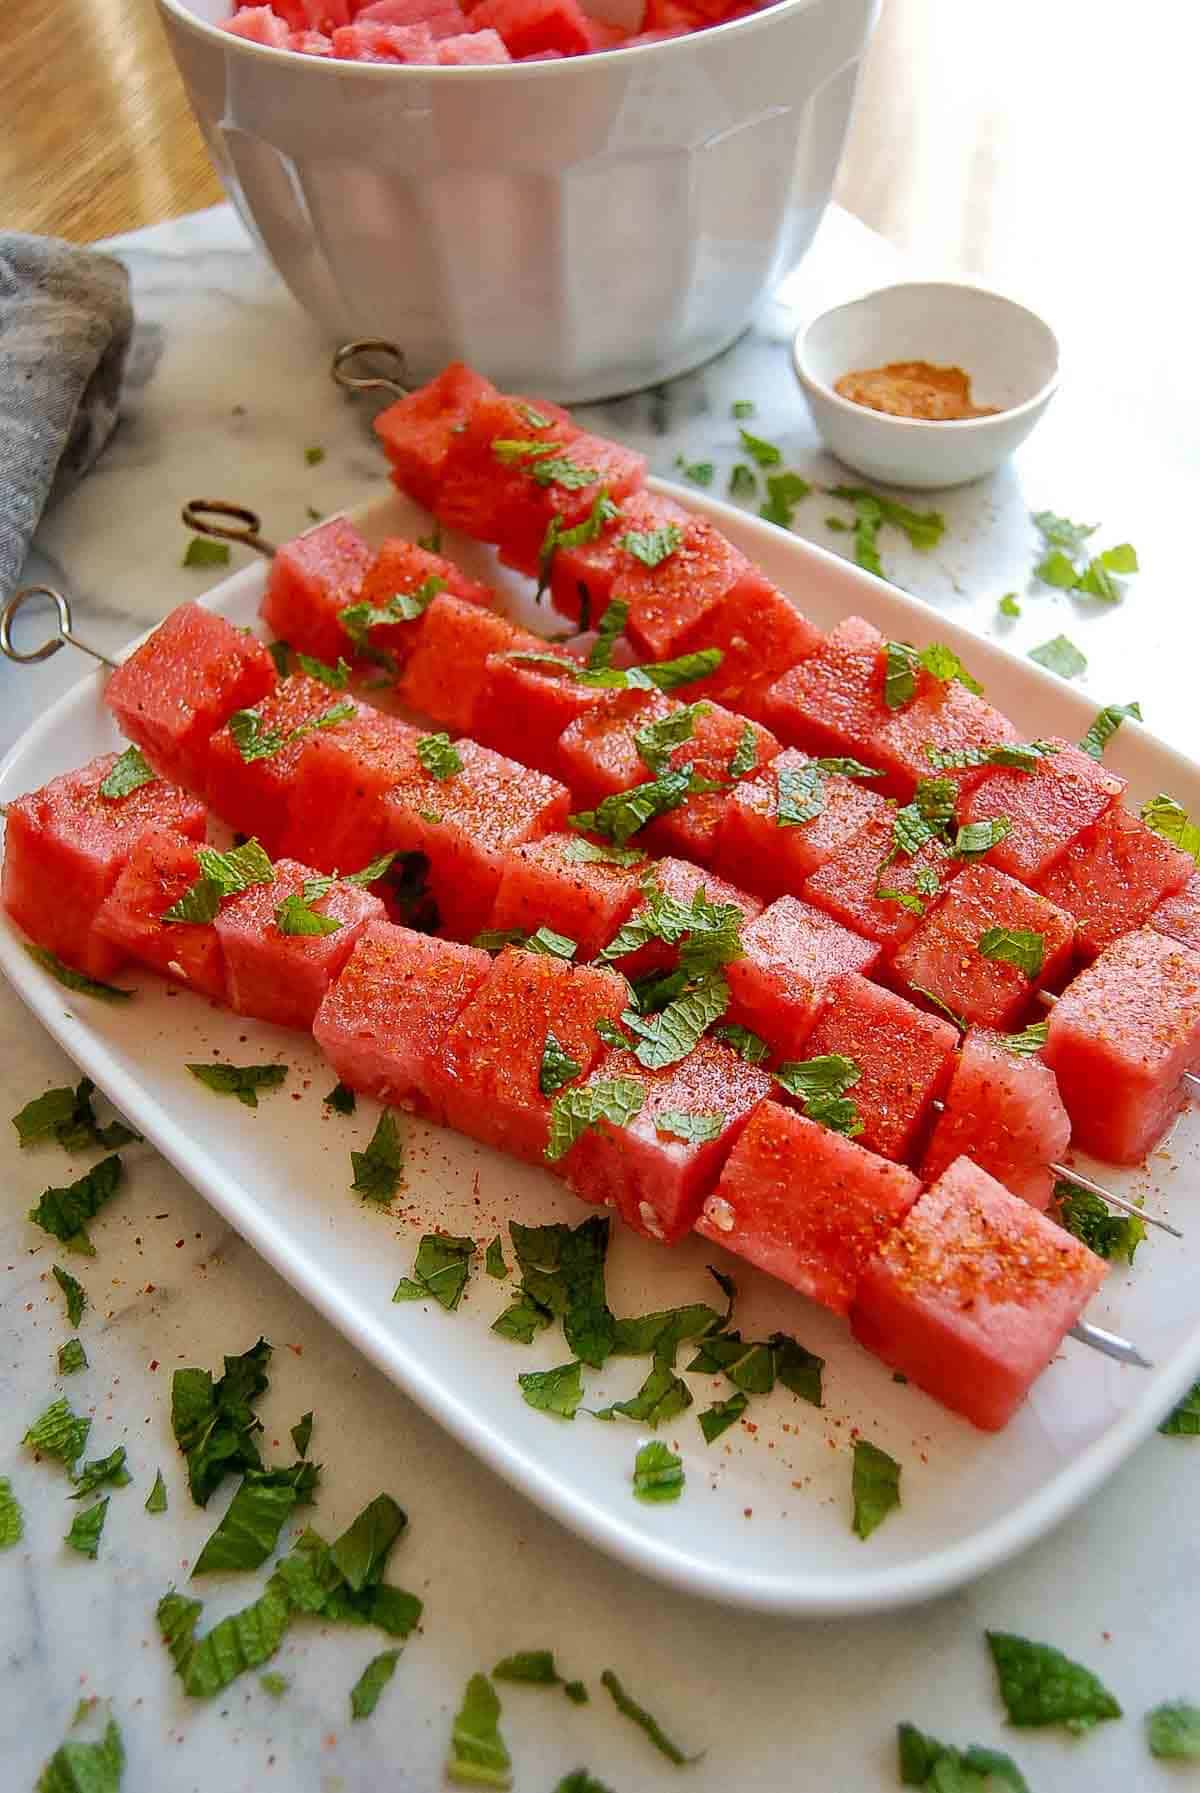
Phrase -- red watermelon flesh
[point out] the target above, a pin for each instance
(1113, 878)
(1048, 808)
(832, 703)
(550, 882)
(772, 859)
(383, 1020)
(182, 685)
(529, 26)
(480, 483)
(472, 49)
(656, 1180)
(282, 978)
(487, 1078)
(846, 885)
(446, 669)
(313, 15)
(581, 579)
(615, 472)
(759, 634)
(806, 1204)
(942, 956)
(417, 431)
(692, 830)
(398, 570)
(948, 717)
(162, 868)
(466, 824)
(905, 1058)
(789, 955)
(372, 42)
(1179, 916)
(260, 25)
(443, 17)
(1121, 1037)
(602, 36)
(522, 710)
(254, 795)
(972, 1296)
(680, 879)
(334, 814)
(310, 43)
(597, 751)
(313, 579)
(669, 603)
(1004, 1112)
(65, 847)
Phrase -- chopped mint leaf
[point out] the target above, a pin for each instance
(924, 1762)
(1009, 604)
(1097, 582)
(545, 941)
(252, 740)
(609, 630)
(341, 1099)
(71, 1357)
(1031, 1039)
(657, 1473)
(75, 980)
(67, 1116)
(875, 1486)
(907, 899)
(662, 1397)
(579, 1780)
(1173, 1732)
(221, 875)
(156, 1500)
(558, 1067)
(943, 664)
(364, 1695)
(493, 1261)
(721, 1415)
(974, 839)
(261, 1507)
(64, 1213)
(59, 1433)
(846, 767)
(1014, 946)
(764, 454)
(615, 1099)
(402, 607)
(1019, 756)
(784, 493)
(522, 1320)
(693, 1129)
(377, 1170)
(743, 481)
(274, 1683)
(280, 651)
(439, 756)
(314, 456)
(478, 1754)
(537, 420)
(837, 524)
(1057, 569)
(201, 552)
(441, 1269)
(12, 1520)
(242, 1081)
(129, 772)
(75, 1294)
(901, 663)
(302, 1433)
(943, 1008)
(754, 1050)
(101, 1472)
(558, 1391)
(535, 1668)
(801, 795)
(628, 1707)
(244, 1640)
(577, 1693)
(742, 407)
(659, 1335)
(1041, 1686)
(665, 1038)
(1061, 656)
(86, 1767)
(1105, 726)
(1109, 1235)
(1060, 532)
(362, 1550)
(603, 512)
(620, 815)
(669, 675)
(1171, 820)
(587, 852)
(655, 740)
(296, 916)
(924, 529)
(744, 758)
(832, 1074)
(701, 473)
(653, 546)
(214, 1423)
(84, 1533)
(754, 1367)
(336, 677)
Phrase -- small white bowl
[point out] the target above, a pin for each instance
(1009, 352)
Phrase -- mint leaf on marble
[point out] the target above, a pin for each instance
(1041, 1686)
(629, 1708)
(364, 1695)
(74, 1292)
(214, 1422)
(85, 1529)
(12, 1520)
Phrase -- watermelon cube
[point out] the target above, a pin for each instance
(1047, 808)
(904, 1055)
(384, 1018)
(488, 1075)
(481, 476)
(806, 1204)
(444, 18)
(654, 1178)
(972, 1296)
(1004, 1112)
(283, 977)
(530, 26)
(185, 681)
(466, 824)
(472, 49)
(945, 716)
(445, 671)
(943, 960)
(790, 954)
(598, 752)
(253, 795)
(1121, 1037)
(1179, 915)
(259, 25)
(398, 570)
(418, 429)
(334, 815)
(522, 709)
(65, 847)
(773, 856)
(312, 580)
(832, 703)
(553, 883)
(581, 579)
(760, 635)
(374, 42)
(1113, 877)
(313, 15)
(848, 883)
(310, 43)
(162, 868)
(602, 36)
(680, 879)
(669, 603)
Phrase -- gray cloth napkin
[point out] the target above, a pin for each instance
(65, 325)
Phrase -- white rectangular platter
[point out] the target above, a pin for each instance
(764, 1521)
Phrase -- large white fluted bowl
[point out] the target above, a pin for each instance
(583, 227)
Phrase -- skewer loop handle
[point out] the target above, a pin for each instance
(378, 346)
(63, 637)
(198, 513)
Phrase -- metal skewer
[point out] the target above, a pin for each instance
(198, 513)
(62, 638)
(379, 347)
(1110, 1343)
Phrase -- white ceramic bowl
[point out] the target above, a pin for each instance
(1009, 352)
(580, 228)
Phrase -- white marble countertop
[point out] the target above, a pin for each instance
(228, 388)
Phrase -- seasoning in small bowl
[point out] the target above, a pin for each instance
(914, 389)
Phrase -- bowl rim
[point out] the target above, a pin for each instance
(182, 14)
(885, 420)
